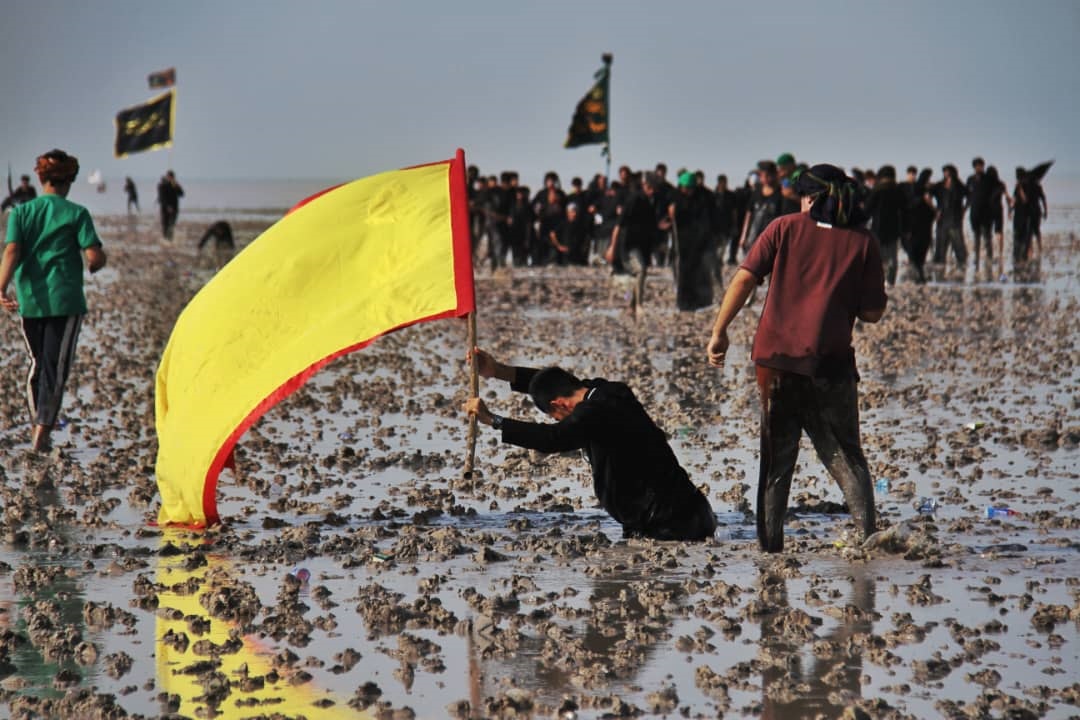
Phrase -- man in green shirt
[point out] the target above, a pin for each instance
(47, 239)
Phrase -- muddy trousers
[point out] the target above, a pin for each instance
(51, 342)
(950, 235)
(984, 236)
(828, 411)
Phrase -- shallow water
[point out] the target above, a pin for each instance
(512, 591)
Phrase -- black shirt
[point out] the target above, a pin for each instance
(638, 222)
(886, 205)
(950, 201)
(19, 196)
(725, 211)
(636, 477)
(169, 194)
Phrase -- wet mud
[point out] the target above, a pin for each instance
(358, 574)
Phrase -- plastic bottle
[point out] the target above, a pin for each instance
(881, 485)
(997, 512)
(928, 506)
(301, 574)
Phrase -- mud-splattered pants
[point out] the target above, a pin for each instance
(828, 411)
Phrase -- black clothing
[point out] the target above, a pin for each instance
(636, 476)
(575, 237)
(497, 206)
(132, 194)
(886, 206)
(693, 226)
(763, 210)
(520, 230)
(950, 227)
(476, 215)
(169, 194)
(221, 233)
(1025, 213)
(919, 227)
(637, 224)
(52, 342)
(979, 193)
(950, 201)
(549, 205)
(663, 195)
(789, 205)
(828, 411)
(607, 206)
(18, 196)
(724, 212)
(742, 209)
(725, 224)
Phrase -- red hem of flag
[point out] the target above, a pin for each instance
(459, 228)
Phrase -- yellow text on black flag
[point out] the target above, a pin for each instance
(145, 127)
(590, 123)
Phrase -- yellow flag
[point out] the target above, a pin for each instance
(342, 268)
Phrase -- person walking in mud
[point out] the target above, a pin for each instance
(636, 476)
(24, 193)
(825, 270)
(950, 195)
(47, 239)
(919, 220)
(633, 236)
(132, 194)
(886, 207)
(169, 193)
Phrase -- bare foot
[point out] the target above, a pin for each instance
(39, 440)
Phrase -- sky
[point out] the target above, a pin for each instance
(343, 89)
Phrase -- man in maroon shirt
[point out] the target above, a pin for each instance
(825, 271)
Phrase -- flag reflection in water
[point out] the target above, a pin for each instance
(206, 666)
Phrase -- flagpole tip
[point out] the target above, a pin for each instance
(607, 58)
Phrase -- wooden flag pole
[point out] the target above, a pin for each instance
(474, 391)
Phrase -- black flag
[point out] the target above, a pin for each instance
(162, 78)
(145, 127)
(590, 123)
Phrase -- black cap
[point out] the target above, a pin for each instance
(818, 178)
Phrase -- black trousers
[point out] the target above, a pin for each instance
(51, 342)
(983, 232)
(692, 519)
(168, 220)
(829, 413)
(950, 235)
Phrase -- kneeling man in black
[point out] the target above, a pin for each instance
(636, 476)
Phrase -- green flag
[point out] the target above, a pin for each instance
(590, 123)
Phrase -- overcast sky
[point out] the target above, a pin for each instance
(343, 89)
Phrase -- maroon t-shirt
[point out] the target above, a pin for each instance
(822, 278)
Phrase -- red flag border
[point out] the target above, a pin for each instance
(466, 303)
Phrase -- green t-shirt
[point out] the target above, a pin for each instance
(51, 232)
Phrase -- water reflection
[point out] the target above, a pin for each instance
(794, 685)
(206, 667)
(608, 640)
(52, 648)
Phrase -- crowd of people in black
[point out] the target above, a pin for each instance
(642, 219)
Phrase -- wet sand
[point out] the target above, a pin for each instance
(511, 594)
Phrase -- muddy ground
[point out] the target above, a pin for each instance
(360, 575)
